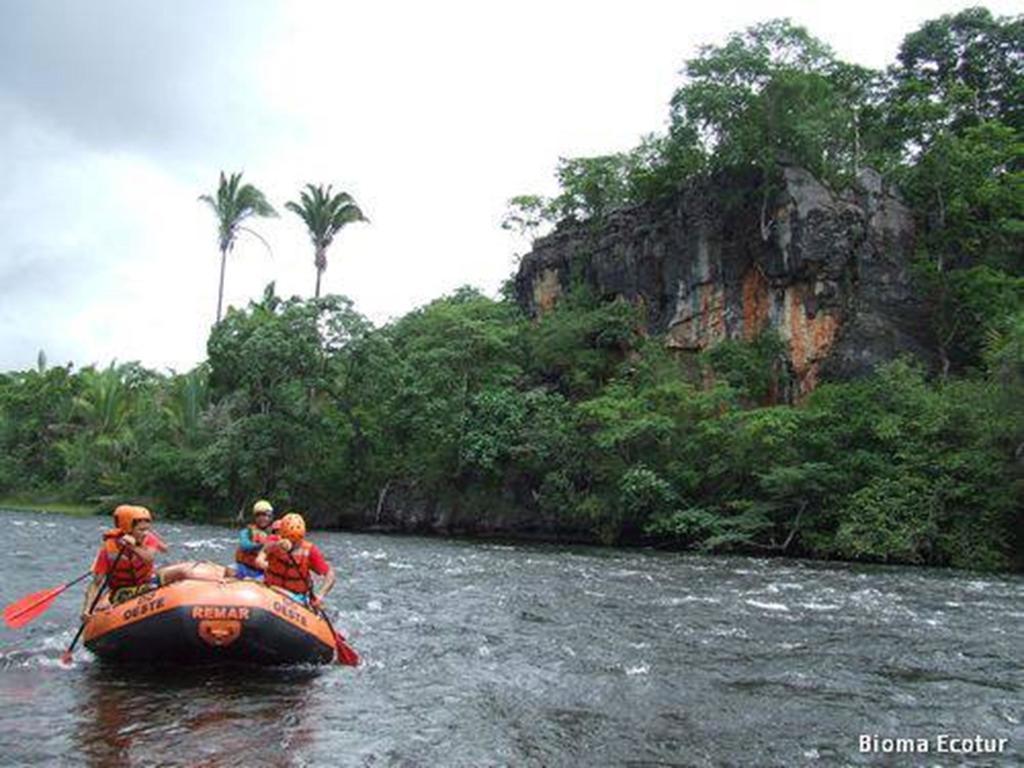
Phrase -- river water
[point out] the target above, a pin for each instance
(486, 654)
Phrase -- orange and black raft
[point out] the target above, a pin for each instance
(202, 621)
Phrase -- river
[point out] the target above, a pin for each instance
(528, 655)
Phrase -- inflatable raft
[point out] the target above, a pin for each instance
(197, 621)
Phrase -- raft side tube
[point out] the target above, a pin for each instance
(202, 621)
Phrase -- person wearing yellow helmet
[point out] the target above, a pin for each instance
(292, 560)
(125, 559)
(248, 563)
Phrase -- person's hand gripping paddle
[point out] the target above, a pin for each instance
(66, 657)
(346, 654)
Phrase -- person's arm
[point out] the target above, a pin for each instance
(142, 551)
(245, 542)
(99, 569)
(318, 564)
(283, 544)
(329, 581)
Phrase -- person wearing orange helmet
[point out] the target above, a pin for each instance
(125, 558)
(248, 564)
(292, 560)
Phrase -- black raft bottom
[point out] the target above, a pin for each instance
(175, 636)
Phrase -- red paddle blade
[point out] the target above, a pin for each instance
(346, 653)
(21, 612)
(66, 658)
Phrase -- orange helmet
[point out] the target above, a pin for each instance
(293, 527)
(127, 515)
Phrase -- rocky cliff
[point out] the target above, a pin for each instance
(404, 507)
(735, 255)
(725, 259)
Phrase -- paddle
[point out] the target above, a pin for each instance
(21, 612)
(346, 653)
(66, 657)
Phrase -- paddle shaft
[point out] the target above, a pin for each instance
(95, 601)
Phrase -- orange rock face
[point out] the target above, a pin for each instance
(810, 338)
(546, 291)
(700, 323)
(700, 319)
(756, 303)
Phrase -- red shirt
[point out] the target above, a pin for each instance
(102, 563)
(317, 562)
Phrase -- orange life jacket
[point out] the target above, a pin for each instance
(258, 536)
(130, 569)
(289, 570)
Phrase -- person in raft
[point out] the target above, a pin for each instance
(291, 561)
(251, 540)
(133, 572)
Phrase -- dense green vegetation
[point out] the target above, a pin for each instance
(582, 419)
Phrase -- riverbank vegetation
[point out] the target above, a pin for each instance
(36, 504)
(579, 416)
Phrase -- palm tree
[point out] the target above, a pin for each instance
(98, 453)
(105, 403)
(324, 214)
(186, 399)
(234, 203)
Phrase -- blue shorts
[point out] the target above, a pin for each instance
(302, 599)
(243, 571)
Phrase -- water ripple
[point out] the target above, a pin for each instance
(493, 654)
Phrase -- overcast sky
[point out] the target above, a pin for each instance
(115, 116)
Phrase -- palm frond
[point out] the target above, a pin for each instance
(324, 215)
(232, 204)
(259, 237)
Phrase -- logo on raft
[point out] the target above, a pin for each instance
(290, 613)
(220, 612)
(219, 625)
(143, 608)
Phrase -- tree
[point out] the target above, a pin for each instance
(35, 408)
(527, 216)
(324, 215)
(102, 441)
(233, 203)
(968, 188)
(450, 351)
(263, 362)
(957, 71)
(188, 396)
(771, 93)
(591, 186)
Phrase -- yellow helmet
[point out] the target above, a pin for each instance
(262, 506)
(293, 527)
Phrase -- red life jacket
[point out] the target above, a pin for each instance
(289, 570)
(258, 536)
(130, 570)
